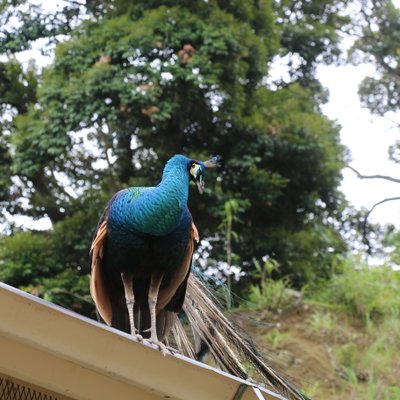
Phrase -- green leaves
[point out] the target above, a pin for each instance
(22, 22)
(370, 294)
(133, 84)
(25, 258)
(309, 33)
(38, 141)
(378, 28)
(52, 265)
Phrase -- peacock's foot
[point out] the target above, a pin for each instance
(153, 339)
(139, 337)
(162, 347)
(135, 333)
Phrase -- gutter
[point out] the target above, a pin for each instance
(46, 346)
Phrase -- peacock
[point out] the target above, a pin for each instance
(141, 279)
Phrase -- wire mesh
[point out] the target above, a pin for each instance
(10, 390)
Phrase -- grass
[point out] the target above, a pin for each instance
(311, 389)
(271, 295)
(369, 362)
(369, 294)
(276, 339)
(323, 323)
(343, 339)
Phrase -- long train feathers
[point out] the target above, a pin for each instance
(230, 346)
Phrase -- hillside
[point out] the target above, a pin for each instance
(328, 355)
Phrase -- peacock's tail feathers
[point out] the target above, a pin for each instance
(182, 341)
(232, 348)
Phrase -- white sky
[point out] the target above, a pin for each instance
(368, 138)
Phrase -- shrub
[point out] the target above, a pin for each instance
(270, 294)
(25, 258)
(368, 293)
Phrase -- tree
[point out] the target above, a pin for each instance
(377, 29)
(377, 44)
(309, 34)
(135, 83)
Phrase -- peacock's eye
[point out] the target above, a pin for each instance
(195, 170)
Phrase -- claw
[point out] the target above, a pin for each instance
(139, 337)
(162, 347)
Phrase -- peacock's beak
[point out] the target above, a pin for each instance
(200, 184)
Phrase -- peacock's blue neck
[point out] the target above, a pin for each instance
(158, 211)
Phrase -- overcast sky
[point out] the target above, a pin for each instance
(368, 139)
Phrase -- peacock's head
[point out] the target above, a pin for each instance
(197, 170)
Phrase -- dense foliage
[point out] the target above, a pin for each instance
(133, 83)
(378, 27)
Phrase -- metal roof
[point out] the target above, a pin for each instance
(52, 348)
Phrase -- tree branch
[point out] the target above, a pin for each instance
(54, 181)
(77, 3)
(379, 203)
(364, 225)
(361, 176)
(377, 176)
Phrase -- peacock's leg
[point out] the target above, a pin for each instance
(127, 280)
(155, 283)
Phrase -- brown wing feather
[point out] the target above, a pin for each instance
(179, 278)
(98, 287)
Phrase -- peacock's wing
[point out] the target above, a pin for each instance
(172, 296)
(98, 287)
(106, 296)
